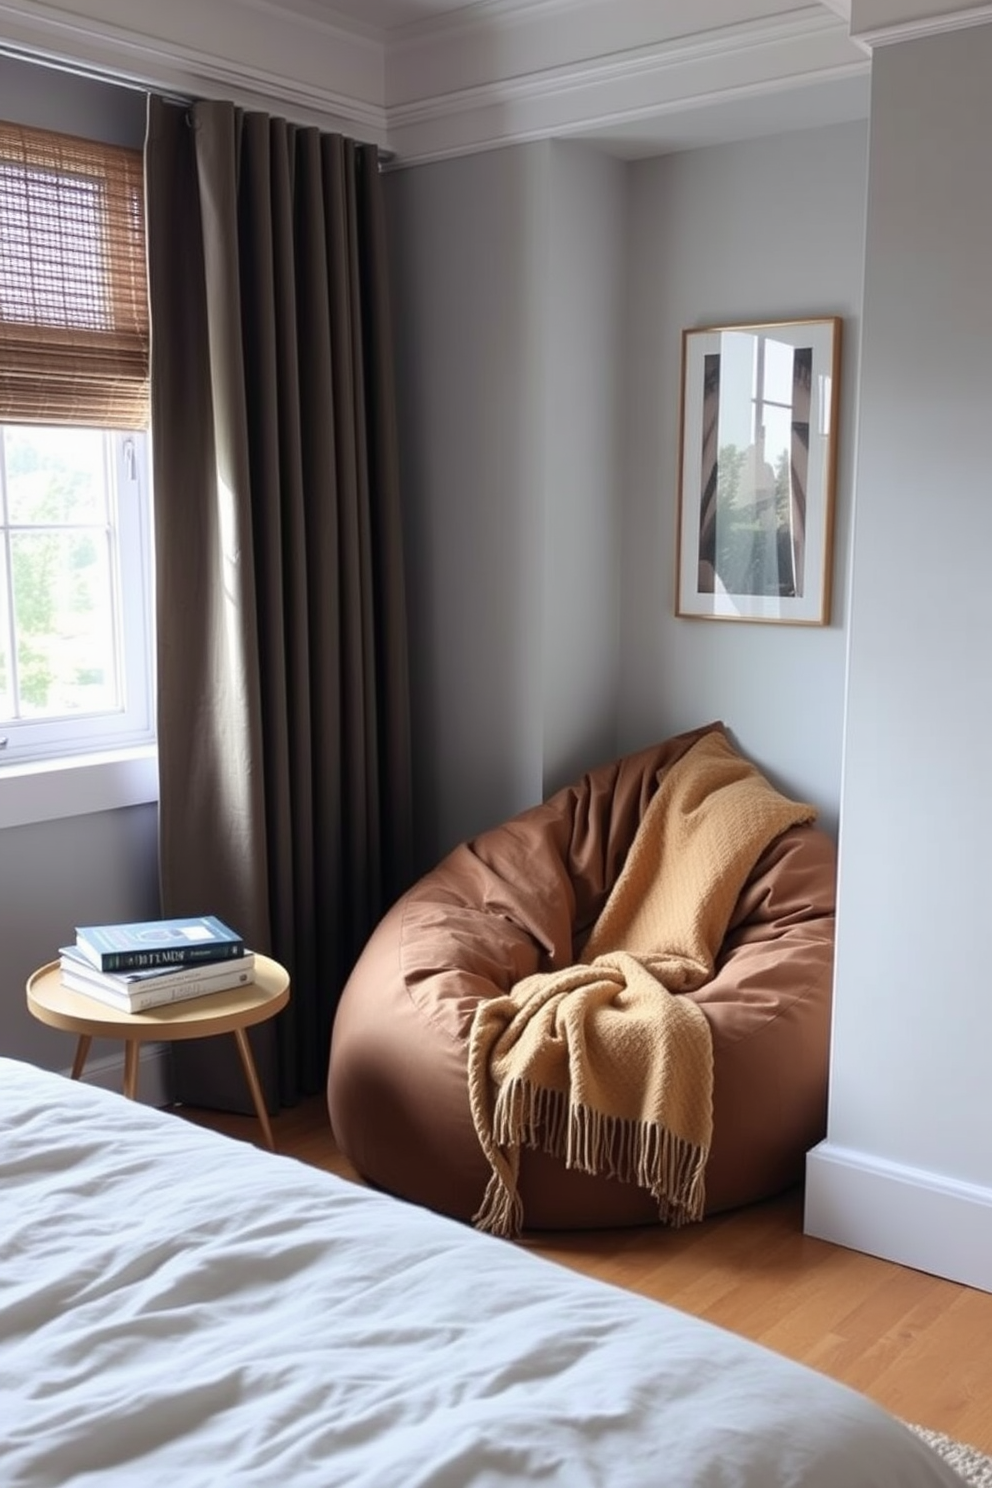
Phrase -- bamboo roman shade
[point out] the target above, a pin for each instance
(73, 282)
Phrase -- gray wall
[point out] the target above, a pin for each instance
(51, 98)
(583, 289)
(507, 304)
(464, 256)
(80, 870)
(907, 1167)
(540, 294)
(771, 229)
(91, 867)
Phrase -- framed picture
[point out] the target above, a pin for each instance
(757, 467)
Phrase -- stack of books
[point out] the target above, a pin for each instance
(147, 964)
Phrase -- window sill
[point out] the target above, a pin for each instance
(50, 789)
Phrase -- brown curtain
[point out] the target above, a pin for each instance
(283, 710)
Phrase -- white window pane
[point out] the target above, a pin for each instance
(76, 593)
(6, 674)
(55, 475)
(63, 615)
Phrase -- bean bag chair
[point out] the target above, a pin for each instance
(523, 898)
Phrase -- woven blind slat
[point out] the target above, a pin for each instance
(73, 284)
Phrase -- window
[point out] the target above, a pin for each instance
(75, 652)
(75, 567)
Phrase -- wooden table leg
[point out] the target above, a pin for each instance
(82, 1049)
(131, 1051)
(251, 1075)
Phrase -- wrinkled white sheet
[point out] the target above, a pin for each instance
(180, 1309)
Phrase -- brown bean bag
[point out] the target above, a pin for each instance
(523, 898)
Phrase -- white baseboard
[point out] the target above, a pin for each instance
(917, 1218)
(154, 1074)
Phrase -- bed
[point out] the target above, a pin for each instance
(177, 1308)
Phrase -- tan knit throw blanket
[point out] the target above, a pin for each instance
(600, 1063)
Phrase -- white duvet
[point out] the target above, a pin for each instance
(180, 1309)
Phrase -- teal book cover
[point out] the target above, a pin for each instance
(149, 943)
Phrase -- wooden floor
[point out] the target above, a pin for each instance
(918, 1345)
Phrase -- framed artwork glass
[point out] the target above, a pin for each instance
(757, 470)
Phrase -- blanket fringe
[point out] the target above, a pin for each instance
(502, 1210)
(670, 1168)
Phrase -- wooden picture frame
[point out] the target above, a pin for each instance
(757, 471)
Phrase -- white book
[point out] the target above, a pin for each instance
(153, 992)
(156, 976)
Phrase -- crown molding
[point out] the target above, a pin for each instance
(497, 41)
(484, 74)
(592, 96)
(886, 22)
(243, 50)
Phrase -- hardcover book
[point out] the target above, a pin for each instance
(157, 983)
(146, 996)
(146, 944)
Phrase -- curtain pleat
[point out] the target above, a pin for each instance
(283, 695)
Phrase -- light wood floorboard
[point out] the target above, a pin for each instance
(917, 1344)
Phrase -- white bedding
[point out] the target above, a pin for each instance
(177, 1308)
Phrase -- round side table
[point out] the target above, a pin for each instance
(230, 1011)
